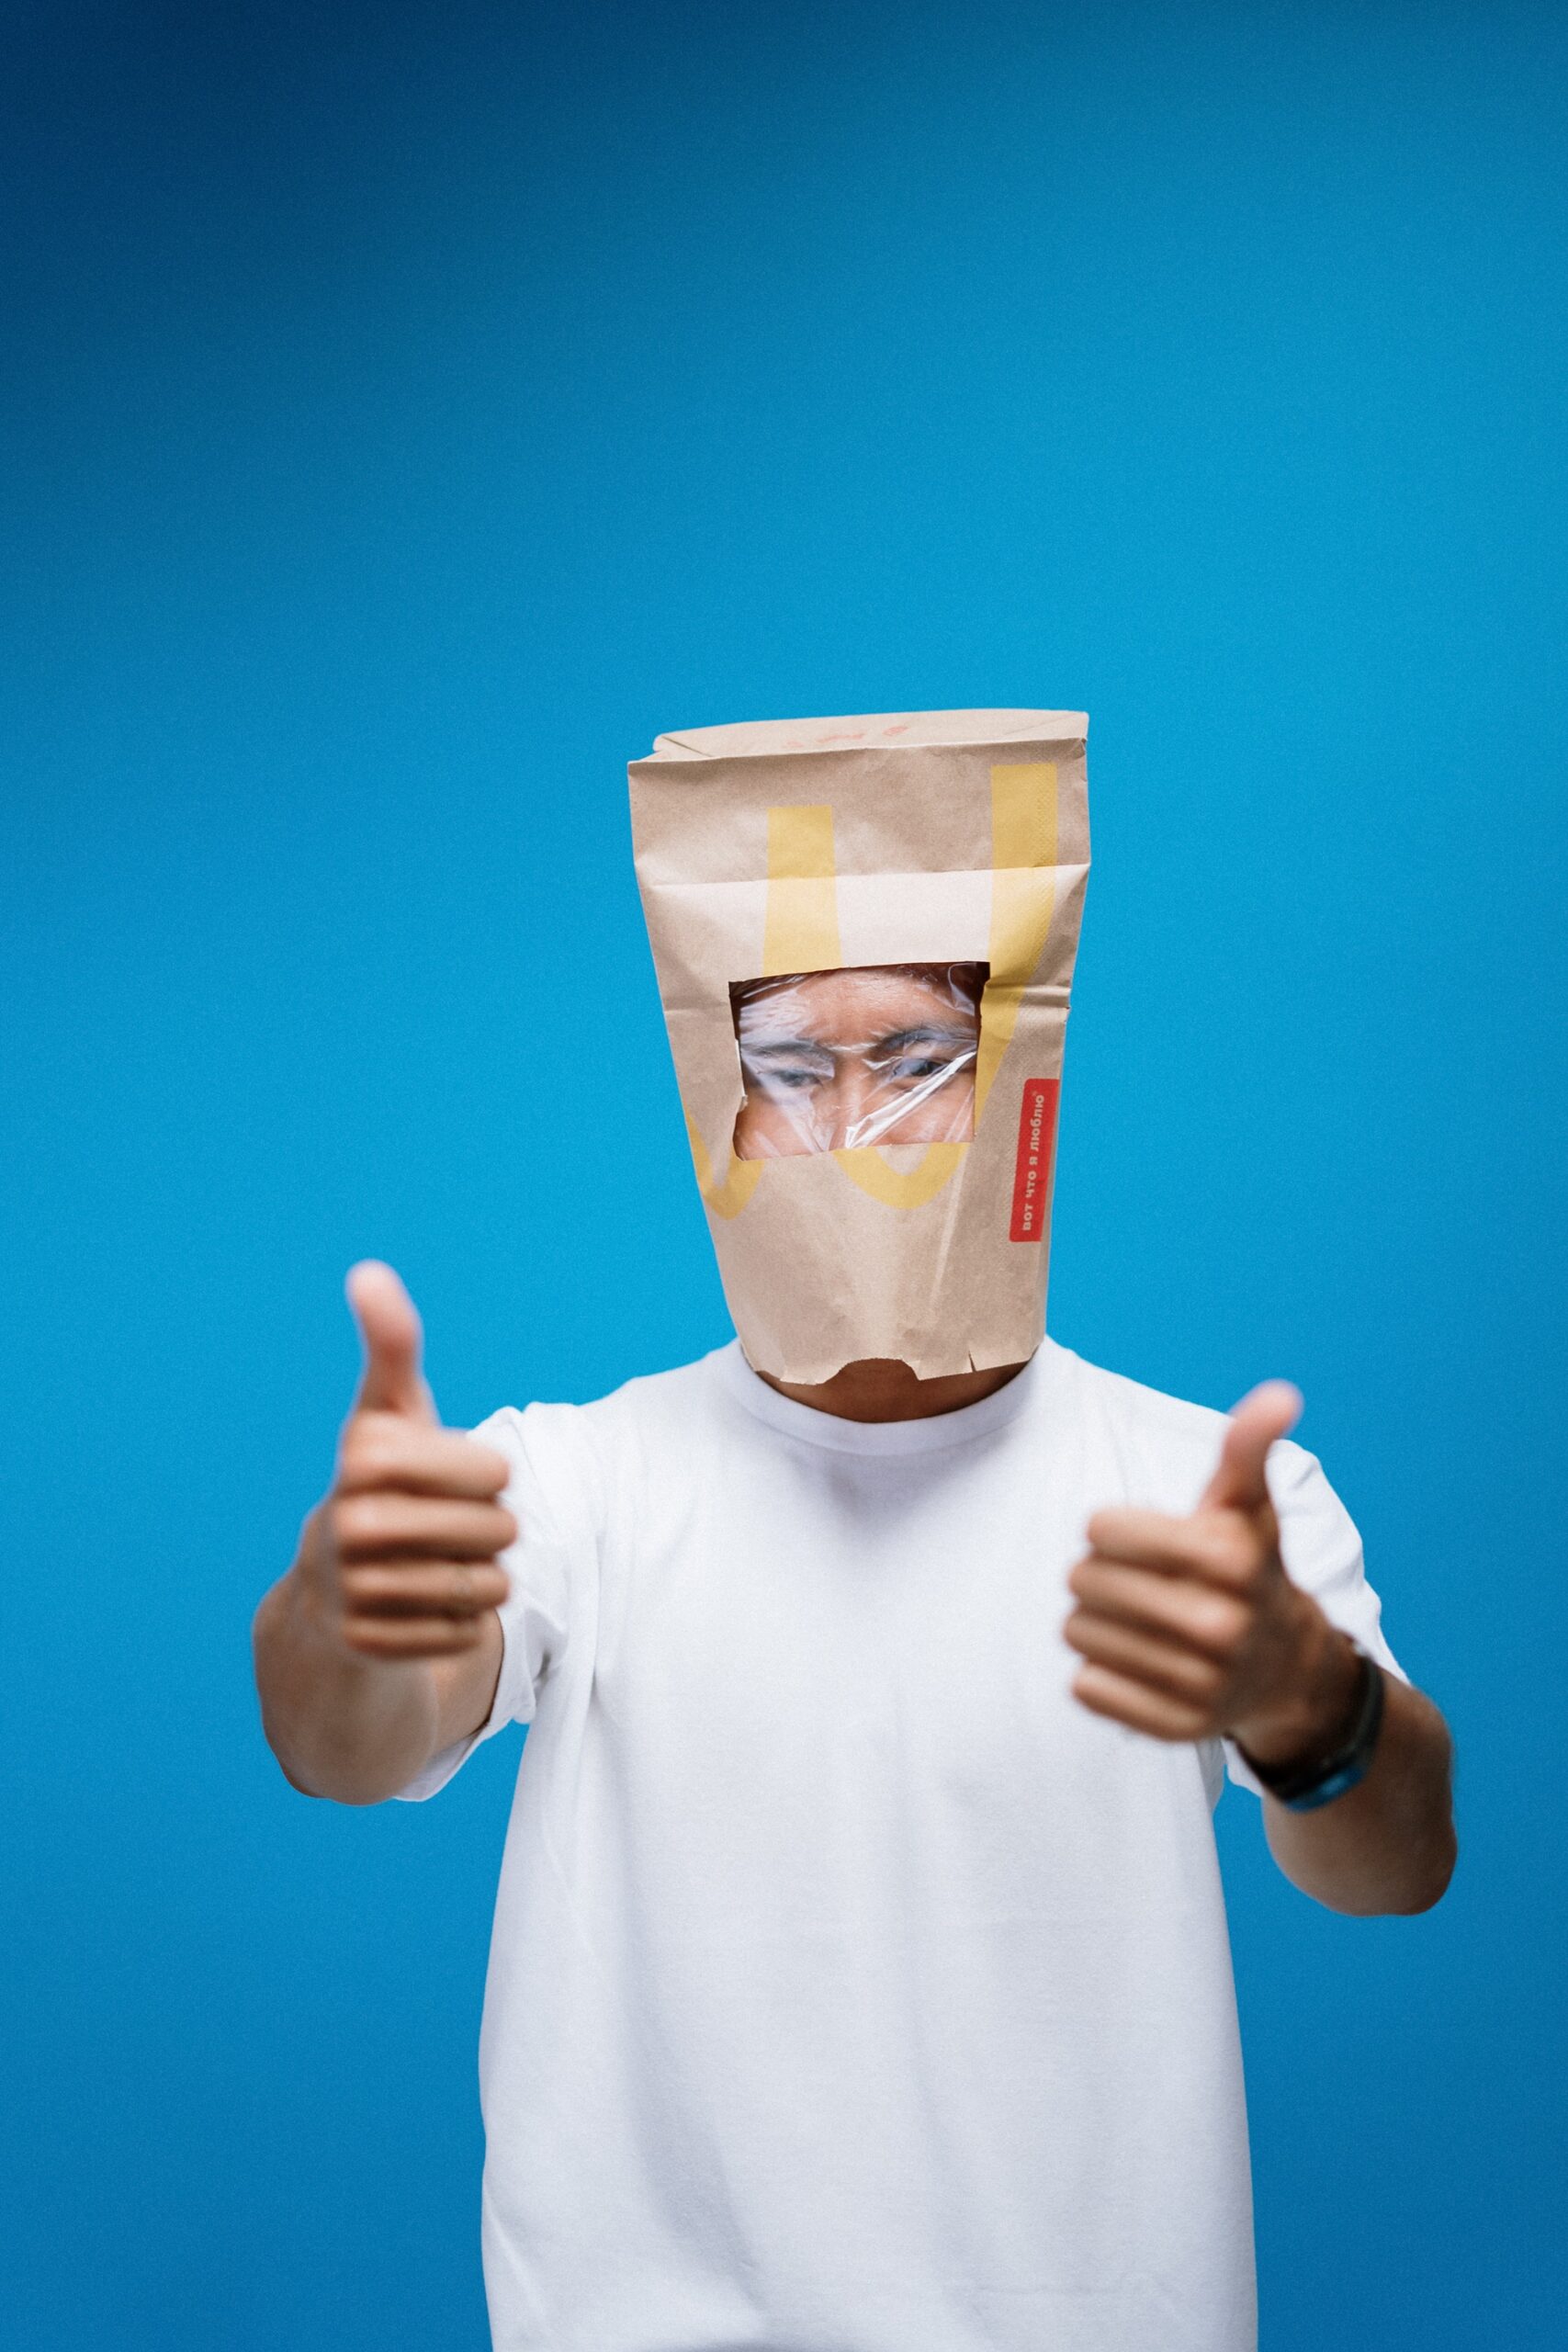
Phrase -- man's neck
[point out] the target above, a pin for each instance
(880, 1389)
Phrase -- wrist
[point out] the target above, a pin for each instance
(1313, 1717)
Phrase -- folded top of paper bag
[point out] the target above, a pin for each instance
(879, 731)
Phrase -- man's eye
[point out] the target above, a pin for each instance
(781, 1077)
(912, 1066)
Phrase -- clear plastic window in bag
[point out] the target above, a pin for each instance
(872, 1054)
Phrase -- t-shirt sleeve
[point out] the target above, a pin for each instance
(1321, 1552)
(545, 1567)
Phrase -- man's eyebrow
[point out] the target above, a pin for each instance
(896, 1041)
(926, 1033)
(754, 1047)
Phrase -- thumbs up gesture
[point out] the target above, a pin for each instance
(1190, 1627)
(400, 1558)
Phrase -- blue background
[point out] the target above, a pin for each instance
(409, 411)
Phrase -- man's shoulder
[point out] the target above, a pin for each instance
(651, 1395)
(648, 1408)
(1161, 1433)
(577, 1469)
(1134, 1405)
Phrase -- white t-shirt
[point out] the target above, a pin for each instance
(853, 1988)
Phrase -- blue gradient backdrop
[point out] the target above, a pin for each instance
(407, 413)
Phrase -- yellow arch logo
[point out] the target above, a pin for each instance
(801, 934)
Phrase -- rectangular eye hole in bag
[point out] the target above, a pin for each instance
(872, 1054)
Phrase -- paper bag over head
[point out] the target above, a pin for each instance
(827, 900)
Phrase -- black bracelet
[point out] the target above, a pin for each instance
(1304, 1788)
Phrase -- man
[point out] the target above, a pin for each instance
(860, 1979)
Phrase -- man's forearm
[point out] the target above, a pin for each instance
(1388, 1844)
(355, 1729)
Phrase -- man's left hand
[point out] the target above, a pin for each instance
(1191, 1628)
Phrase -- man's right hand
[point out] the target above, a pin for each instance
(399, 1559)
(382, 1645)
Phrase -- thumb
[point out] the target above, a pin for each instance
(1264, 1414)
(389, 1326)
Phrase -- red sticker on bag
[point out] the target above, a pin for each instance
(1037, 1148)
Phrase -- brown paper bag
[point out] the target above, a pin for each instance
(804, 881)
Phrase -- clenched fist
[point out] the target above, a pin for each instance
(1191, 1628)
(399, 1560)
